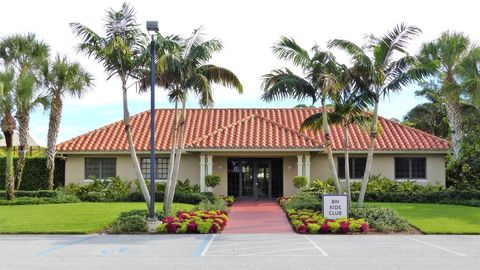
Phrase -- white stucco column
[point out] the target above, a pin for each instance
(299, 165)
(307, 168)
(202, 173)
(209, 165)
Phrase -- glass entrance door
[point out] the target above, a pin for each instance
(262, 180)
(255, 178)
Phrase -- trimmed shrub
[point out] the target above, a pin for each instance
(381, 219)
(300, 181)
(302, 201)
(211, 205)
(60, 198)
(32, 193)
(109, 190)
(212, 180)
(35, 175)
(191, 198)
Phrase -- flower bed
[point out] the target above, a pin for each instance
(194, 222)
(309, 221)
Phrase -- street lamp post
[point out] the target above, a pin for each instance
(152, 27)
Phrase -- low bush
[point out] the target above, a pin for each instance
(186, 187)
(31, 193)
(215, 204)
(190, 198)
(194, 222)
(312, 222)
(381, 219)
(229, 200)
(132, 221)
(301, 200)
(300, 181)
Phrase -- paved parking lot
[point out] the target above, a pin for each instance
(240, 251)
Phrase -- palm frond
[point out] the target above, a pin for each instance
(288, 49)
(282, 83)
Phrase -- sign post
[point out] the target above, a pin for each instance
(334, 206)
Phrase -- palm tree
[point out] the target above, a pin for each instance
(25, 54)
(320, 82)
(380, 67)
(8, 125)
(349, 109)
(185, 71)
(120, 52)
(457, 63)
(61, 78)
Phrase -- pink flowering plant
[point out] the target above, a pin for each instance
(312, 222)
(194, 222)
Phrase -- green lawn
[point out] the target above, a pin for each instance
(439, 218)
(66, 218)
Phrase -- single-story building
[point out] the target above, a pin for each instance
(256, 152)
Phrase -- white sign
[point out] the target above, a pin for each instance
(334, 206)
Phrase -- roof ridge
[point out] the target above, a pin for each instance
(222, 128)
(305, 136)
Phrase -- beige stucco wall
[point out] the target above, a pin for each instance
(383, 164)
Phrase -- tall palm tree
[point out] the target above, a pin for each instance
(120, 51)
(24, 53)
(187, 71)
(348, 109)
(320, 81)
(380, 67)
(8, 125)
(61, 78)
(457, 62)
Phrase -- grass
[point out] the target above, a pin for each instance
(439, 218)
(78, 218)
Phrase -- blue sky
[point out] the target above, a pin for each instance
(248, 29)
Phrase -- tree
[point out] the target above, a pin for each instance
(457, 63)
(120, 52)
(380, 67)
(8, 125)
(320, 81)
(61, 78)
(24, 53)
(187, 71)
(348, 109)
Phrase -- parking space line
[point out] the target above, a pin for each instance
(250, 248)
(209, 243)
(316, 246)
(439, 247)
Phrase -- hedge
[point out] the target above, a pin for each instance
(190, 198)
(447, 196)
(35, 175)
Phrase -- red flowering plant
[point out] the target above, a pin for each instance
(310, 221)
(194, 222)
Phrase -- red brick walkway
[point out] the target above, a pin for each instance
(257, 217)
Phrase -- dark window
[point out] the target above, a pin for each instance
(357, 167)
(410, 168)
(161, 168)
(101, 168)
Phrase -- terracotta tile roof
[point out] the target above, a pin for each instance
(248, 129)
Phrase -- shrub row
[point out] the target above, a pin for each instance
(195, 222)
(190, 198)
(58, 198)
(35, 175)
(446, 196)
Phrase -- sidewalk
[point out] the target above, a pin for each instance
(257, 217)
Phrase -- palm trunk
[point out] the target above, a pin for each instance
(371, 147)
(8, 126)
(53, 130)
(455, 123)
(23, 118)
(131, 146)
(347, 164)
(172, 157)
(178, 157)
(328, 146)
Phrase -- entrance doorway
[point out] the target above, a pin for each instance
(255, 178)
